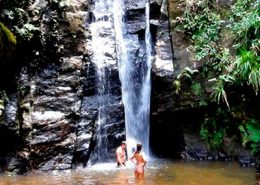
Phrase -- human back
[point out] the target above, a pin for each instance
(139, 161)
(139, 158)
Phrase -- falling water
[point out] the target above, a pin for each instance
(102, 32)
(146, 91)
(135, 90)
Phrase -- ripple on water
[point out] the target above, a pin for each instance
(157, 172)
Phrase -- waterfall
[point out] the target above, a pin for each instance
(146, 91)
(136, 81)
(110, 37)
(102, 45)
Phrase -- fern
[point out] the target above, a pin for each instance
(247, 68)
(250, 131)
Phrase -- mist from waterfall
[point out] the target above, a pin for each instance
(136, 90)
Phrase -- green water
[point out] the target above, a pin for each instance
(160, 172)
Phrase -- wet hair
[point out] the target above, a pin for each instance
(138, 147)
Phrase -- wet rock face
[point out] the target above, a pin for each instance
(162, 71)
(135, 24)
(42, 120)
(44, 116)
(56, 93)
(172, 115)
(104, 99)
(51, 123)
(163, 63)
(53, 119)
(245, 159)
(10, 114)
(57, 130)
(162, 91)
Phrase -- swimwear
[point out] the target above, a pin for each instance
(139, 169)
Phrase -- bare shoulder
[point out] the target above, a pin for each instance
(118, 150)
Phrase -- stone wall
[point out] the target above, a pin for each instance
(176, 118)
(50, 121)
(52, 118)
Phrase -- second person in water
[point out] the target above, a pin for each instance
(139, 161)
(121, 154)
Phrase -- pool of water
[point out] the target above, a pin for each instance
(158, 172)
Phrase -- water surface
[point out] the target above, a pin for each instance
(160, 172)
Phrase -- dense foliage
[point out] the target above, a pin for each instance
(226, 40)
(251, 136)
(35, 24)
(23, 45)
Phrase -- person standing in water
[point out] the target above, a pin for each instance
(121, 154)
(139, 161)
